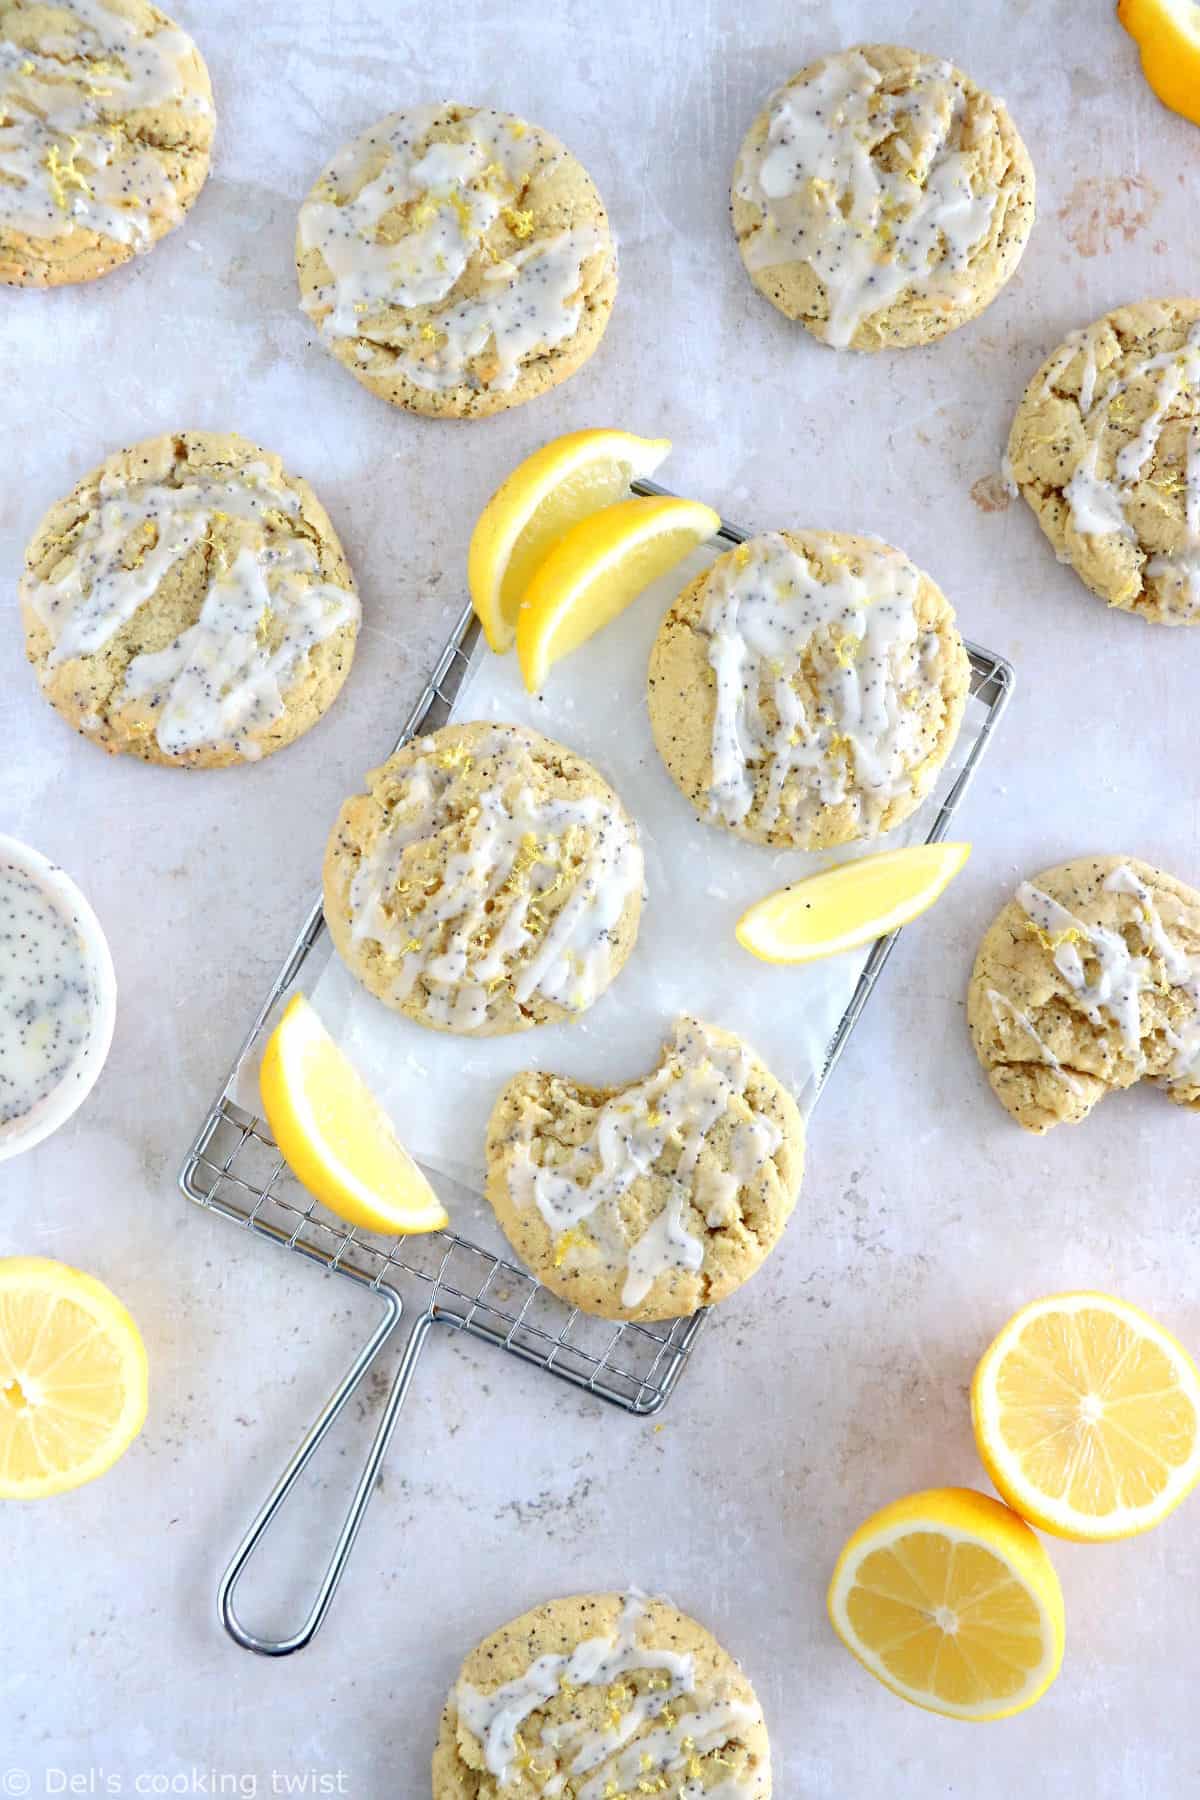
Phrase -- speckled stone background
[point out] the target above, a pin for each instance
(838, 1379)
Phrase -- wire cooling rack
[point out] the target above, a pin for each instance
(233, 1168)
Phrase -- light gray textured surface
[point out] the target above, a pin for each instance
(838, 1379)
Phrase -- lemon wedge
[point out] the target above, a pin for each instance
(1167, 32)
(595, 571)
(949, 1599)
(850, 905)
(1087, 1417)
(334, 1135)
(73, 1378)
(544, 496)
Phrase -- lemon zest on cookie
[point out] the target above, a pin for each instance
(1052, 941)
(574, 1238)
(462, 212)
(519, 221)
(63, 175)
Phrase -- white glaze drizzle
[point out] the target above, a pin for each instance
(699, 1082)
(528, 300)
(766, 609)
(1100, 505)
(64, 165)
(1122, 976)
(451, 939)
(223, 677)
(1001, 1004)
(868, 232)
(496, 1718)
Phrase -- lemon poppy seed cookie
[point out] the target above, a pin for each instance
(456, 260)
(1105, 447)
(805, 690)
(599, 1695)
(106, 122)
(1087, 981)
(189, 603)
(881, 198)
(651, 1200)
(488, 880)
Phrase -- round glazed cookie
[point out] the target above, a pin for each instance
(189, 603)
(456, 260)
(806, 689)
(106, 121)
(651, 1200)
(1087, 981)
(488, 880)
(881, 198)
(1105, 446)
(602, 1694)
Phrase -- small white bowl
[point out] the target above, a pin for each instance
(56, 1107)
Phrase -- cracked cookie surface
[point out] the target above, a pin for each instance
(1105, 447)
(651, 1200)
(488, 880)
(881, 198)
(602, 1695)
(1087, 981)
(189, 603)
(805, 690)
(456, 260)
(106, 125)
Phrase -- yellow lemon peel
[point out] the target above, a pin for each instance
(1167, 33)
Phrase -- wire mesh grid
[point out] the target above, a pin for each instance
(233, 1167)
(235, 1170)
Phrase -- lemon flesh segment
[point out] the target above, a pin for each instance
(1167, 33)
(545, 495)
(1087, 1417)
(334, 1135)
(73, 1378)
(595, 571)
(853, 904)
(948, 1598)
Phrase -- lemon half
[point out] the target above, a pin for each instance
(1087, 1416)
(73, 1378)
(950, 1600)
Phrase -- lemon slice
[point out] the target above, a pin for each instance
(950, 1600)
(544, 496)
(597, 569)
(72, 1378)
(334, 1135)
(1167, 32)
(850, 905)
(1087, 1416)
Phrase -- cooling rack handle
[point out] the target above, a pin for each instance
(313, 1439)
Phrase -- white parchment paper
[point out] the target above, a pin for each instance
(439, 1089)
